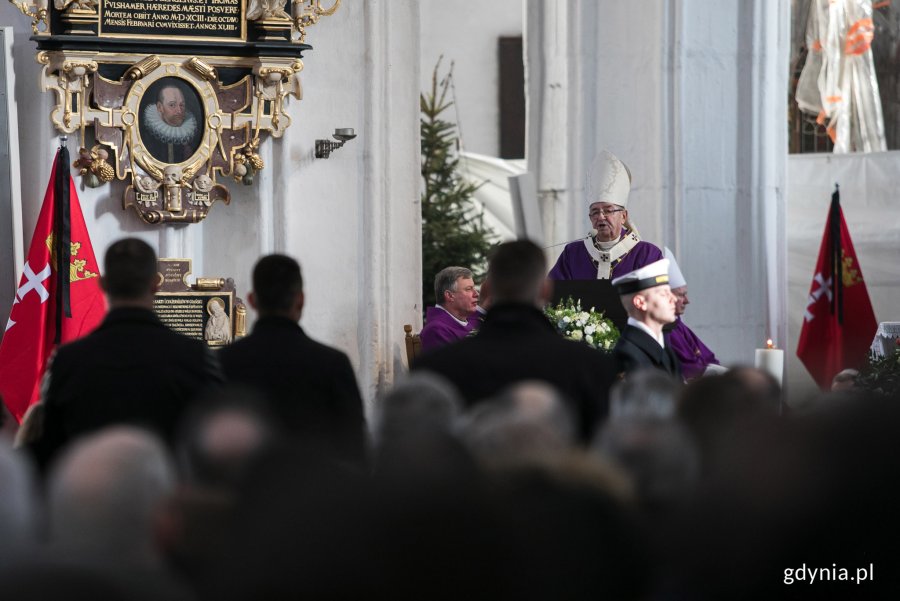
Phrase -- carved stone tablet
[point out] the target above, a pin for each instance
(208, 310)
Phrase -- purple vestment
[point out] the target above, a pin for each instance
(476, 318)
(441, 328)
(575, 262)
(693, 354)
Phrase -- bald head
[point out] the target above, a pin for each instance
(105, 492)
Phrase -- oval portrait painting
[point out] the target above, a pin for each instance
(171, 121)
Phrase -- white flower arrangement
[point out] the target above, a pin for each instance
(587, 326)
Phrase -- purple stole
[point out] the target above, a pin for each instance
(575, 262)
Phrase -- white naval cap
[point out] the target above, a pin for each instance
(648, 276)
(609, 180)
(676, 278)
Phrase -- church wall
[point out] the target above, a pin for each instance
(352, 220)
(686, 93)
(466, 33)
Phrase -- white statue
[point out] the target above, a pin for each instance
(218, 327)
(203, 183)
(146, 184)
(266, 9)
(76, 4)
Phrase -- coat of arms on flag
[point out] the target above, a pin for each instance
(58, 298)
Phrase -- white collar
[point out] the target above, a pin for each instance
(642, 326)
(461, 322)
(605, 258)
(170, 134)
(608, 244)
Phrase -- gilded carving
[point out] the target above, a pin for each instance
(159, 108)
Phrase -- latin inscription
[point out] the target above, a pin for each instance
(184, 314)
(188, 18)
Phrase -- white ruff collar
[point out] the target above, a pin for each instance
(170, 134)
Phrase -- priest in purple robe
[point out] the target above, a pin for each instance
(614, 246)
(456, 299)
(695, 356)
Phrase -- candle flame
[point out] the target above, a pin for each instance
(770, 344)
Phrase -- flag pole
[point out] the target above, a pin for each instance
(61, 235)
(834, 224)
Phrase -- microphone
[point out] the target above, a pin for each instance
(591, 234)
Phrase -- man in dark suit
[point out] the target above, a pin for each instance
(517, 342)
(310, 387)
(130, 370)
(650, 304)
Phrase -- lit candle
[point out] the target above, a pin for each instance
(771, 360)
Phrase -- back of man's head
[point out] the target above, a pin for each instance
(528, 421)
(446, 279)
(517, 271)
(420, 401)
(276, 283)
(129, 270)
(105, 493)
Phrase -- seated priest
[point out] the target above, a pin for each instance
(614, 246)
(650, 305)
(694, 356)
(456, 298)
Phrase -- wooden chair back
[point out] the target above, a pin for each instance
(413, 344)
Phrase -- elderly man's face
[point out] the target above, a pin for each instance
(681, 299)
(463, 301)
(171, 108)
(608, 219)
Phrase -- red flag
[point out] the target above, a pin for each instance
(839, 323)
(51, 306)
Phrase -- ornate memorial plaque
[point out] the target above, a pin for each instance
(208, 310)
(172, 95)
(213, 19)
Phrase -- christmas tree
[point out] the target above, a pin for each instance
(453, 231)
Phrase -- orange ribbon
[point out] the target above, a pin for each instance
(859, 37)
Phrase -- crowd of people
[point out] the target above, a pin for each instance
(509, 463)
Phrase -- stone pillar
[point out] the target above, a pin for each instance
(691, 95)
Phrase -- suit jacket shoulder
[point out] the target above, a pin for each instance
(638, 350)
(132, 369)
(518, 343)
(310, 387)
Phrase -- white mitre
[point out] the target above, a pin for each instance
(648, 276)
(609, 180)
(676, 278)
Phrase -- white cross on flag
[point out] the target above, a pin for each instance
(31, 331)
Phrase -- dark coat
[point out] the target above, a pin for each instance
(130, 370)
(516, 343)
(310, 387)
(636, 349)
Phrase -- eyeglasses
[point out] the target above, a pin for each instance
(602, 213)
